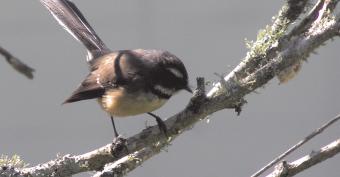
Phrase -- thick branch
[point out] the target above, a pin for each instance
(261, 65)
(17, 64)
(265, 45)
(127, 163)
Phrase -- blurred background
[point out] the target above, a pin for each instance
(209, 38)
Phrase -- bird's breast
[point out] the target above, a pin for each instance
(118, 102)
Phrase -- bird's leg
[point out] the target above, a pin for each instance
(114, 128)
(161, 125)
(119, 148)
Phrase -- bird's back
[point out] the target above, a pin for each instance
(125, 68)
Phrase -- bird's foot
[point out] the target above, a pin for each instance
(119, 147)
(161, 125)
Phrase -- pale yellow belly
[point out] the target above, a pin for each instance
(118, 103)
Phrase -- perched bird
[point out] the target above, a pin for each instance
(125, 82)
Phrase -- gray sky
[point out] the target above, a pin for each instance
(209, 37)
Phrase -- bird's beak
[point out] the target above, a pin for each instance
(188, 89)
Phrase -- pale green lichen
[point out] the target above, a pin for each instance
(169, 139)
(133, 158)
(138, 160)
(14, 161)
(267, 37)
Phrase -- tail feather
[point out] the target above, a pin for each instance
(70, 17)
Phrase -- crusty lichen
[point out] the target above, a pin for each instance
(267, 38)
(14, 161)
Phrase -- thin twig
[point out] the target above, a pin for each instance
(229, 93)
(293, 148)
(285, 169)
(17, 64)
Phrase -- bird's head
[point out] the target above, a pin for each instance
(169, 76)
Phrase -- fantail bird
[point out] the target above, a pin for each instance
(125, 82)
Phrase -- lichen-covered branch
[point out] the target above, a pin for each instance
(285, 169)
(268, 40)
(128, 163)
(276, 52)
(17, 64)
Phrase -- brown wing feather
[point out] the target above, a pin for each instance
(94, 84)
(86, 90)
(117, 69)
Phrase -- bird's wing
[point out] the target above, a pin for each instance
(117, 69)
(73, 21)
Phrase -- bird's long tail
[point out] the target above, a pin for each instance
(70, 17)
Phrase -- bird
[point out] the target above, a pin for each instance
(124, 82)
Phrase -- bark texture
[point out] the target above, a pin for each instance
(279, 50)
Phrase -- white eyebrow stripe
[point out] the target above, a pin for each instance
(164, 90)
(176, 72)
